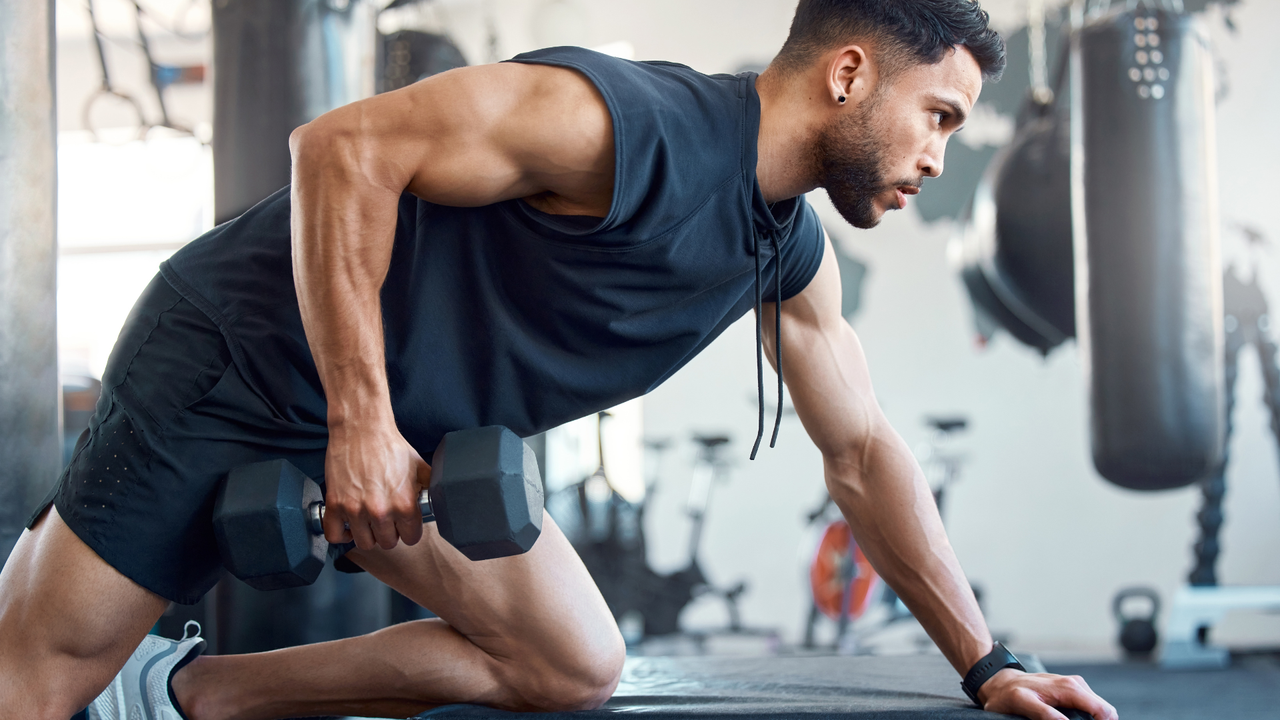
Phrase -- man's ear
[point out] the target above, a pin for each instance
(850, 75)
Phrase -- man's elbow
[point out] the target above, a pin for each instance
(314, 140)
(333, 149)
(299, 137)
(847, 461)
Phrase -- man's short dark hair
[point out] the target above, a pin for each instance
(901, 31)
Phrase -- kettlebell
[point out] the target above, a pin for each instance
(1137, 633)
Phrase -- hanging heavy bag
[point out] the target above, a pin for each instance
(1016, 247)
(1145, 218)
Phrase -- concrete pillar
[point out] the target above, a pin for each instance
(30, 435)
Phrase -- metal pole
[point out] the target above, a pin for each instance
(30, 417)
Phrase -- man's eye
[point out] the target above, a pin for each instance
(938, 117)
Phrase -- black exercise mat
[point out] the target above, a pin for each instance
(864, 688)
(812, 688)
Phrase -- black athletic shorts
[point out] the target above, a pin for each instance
(175, 416)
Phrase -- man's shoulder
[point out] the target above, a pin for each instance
(666, 84)
(680, 136)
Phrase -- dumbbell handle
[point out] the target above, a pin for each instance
(315, 513)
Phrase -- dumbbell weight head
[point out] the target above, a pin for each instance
(486, 492)
(261, 525)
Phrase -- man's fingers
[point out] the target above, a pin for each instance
(1073, 692)
(1039, 697)
(384, 530)
(410, 530)
(335, 529)
(1031, 705)
(401, 522)
(362, 533)
(1092, 704)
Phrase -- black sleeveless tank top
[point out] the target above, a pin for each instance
(503, 315)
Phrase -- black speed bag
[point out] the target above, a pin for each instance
(1017, 258)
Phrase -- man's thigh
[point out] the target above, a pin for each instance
(542, 605)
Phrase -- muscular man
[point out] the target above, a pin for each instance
(517, 244)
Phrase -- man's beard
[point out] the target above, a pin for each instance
(850, 166)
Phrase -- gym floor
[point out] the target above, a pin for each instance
(867, 688)
(1249, 690)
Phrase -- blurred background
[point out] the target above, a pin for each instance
(1044, 538)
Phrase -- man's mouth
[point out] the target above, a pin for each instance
(902, 191)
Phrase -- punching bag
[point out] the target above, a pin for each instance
(1145, 219)
(1016, 247)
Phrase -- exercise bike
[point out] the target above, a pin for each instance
(843, 586)
(607, 531)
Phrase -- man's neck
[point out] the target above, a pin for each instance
(789, 125)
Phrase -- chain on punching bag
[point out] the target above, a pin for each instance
(1149, 294)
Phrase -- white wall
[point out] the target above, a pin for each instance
(124, 204)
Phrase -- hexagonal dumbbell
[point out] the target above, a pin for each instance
(485, 498)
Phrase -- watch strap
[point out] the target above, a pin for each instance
(993, 662)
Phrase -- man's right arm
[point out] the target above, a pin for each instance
(469, 137)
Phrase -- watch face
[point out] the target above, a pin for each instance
(1012, 658)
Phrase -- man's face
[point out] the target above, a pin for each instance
(872, 156)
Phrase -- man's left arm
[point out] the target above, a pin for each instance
(878, 485)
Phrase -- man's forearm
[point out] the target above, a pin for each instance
(895, 520)
(342, 233)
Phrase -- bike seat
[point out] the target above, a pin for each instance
(947, 424)
(710, 441)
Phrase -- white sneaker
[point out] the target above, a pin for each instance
(141, 690)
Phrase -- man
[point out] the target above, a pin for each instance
(515, 244)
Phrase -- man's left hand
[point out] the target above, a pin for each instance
(1035, 696)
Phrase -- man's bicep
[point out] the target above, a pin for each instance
(825, 368)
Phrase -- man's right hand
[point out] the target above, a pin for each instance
(372, 479)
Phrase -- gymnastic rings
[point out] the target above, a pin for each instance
(86, 112)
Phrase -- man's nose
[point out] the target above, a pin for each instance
(930, 164)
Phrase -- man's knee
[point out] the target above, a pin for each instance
(583, 681)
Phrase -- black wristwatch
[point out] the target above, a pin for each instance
(998, 659)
